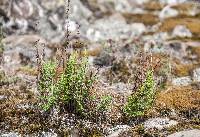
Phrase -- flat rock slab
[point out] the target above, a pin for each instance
(11, 134)
(182, 81)
(159, 123)
(189, 133)
(114, 132)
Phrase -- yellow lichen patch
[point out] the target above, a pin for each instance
(92, 52)
(182, 69)
(147, 19)
(184, 8)
(179, 98)
(184, 39)
(153, 5)
(191, 23)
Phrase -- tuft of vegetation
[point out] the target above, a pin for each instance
(144, 91)
(47, 84)
(69, 88)
(142, 99)
(67, 82)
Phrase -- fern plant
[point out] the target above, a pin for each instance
(70, 88)
(46, 84)
(143, 98)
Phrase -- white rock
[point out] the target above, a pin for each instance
(181, 31)
(196, 75)
(159, 123)
(114, 132)
(114, 28)
(139, 1)
(72, 26)
(172, 1)
(11, 134)
(48, 134)
(122, 5)
(78, 11)
(161, 36)
(130, 6)
(168, 12)
(138, 27)
(182, 81)
(24, 45)
(189, 133)
(25, 106)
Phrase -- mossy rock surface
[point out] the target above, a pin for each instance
(192, 23)
(147, 19)
(179, 99)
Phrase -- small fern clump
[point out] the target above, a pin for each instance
(143, 87)
(143, 99)
(46, 84)
(69, 88)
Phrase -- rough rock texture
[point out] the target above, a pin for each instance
(43, 134)
(181, 31)
(115, 28)
(159, 123)
(168, 12)
(182, 81)
(114, 132)
(172, 1)
(21, 50)
(11, 134)
(187, 133)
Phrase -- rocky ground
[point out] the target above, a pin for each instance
(113, 32)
